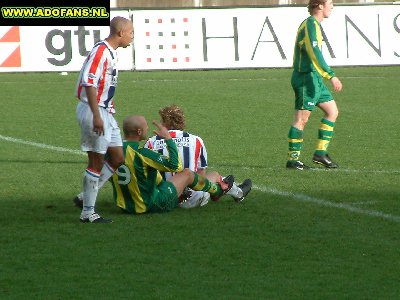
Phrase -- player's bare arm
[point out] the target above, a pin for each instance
(98, 125)
(337, 84)
(162, 131)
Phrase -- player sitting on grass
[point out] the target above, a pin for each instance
(193, 155)
(138, 185)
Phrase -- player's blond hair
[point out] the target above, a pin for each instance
(312, 4)
(172, 117)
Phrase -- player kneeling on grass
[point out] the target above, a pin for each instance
(193, 155)
(138, 185)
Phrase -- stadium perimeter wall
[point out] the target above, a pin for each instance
(210, 38)
(151, 4)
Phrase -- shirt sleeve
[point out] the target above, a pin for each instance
(163, 163)
(94, 67)
(202, 159)
(313, 44)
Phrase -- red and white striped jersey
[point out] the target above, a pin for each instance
(192, 151)
(100, 71)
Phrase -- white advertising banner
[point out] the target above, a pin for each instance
(262, 37)
(210, 39)
(42, 48)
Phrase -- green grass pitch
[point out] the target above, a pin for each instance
(319, 234)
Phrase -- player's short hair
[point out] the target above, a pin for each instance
(117, 24)
(172, 117)
(132, 123)
(312, 4)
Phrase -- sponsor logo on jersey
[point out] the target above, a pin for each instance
(179, 141)
(182, 141)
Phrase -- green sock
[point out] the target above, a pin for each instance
(325, 134)
(201, 183)
(295, 138)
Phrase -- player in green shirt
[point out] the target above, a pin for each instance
(138, 185)
(309, 72)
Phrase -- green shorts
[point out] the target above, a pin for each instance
(309, 90)
(167, 198)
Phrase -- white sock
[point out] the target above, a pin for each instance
(90, 190)
(236, 192)
(106, 173)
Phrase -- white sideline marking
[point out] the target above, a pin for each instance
(39, 145)
(323, 202)
(264, 189)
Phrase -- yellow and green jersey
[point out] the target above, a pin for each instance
(307, 51)
(135, 183)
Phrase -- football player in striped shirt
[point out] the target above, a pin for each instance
(193, 154)
(100, 133)
(309, 72)
(138, 185)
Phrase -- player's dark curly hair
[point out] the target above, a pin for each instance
(172, 117)
(314, 4)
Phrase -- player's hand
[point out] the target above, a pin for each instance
(162, 131)
(337, 84)
(98, 125)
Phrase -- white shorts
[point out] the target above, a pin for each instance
(197, 199)
(91, 141)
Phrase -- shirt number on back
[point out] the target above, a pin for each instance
(124, 175)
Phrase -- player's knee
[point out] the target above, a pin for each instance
(120, 161)
(188, 175)
(336, 113)
(332, 114)
(187, 172)
(116, 161)
(301, 123)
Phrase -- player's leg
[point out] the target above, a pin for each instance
(167, 198)
(114, 159)
(91, 187)
(181, 180)
(95, 146)
(198, 182)
(295, 139)
(95, 164)
(170, 191)
(303, 85)
(238, 192)
(330, 109)
(325, 133)
(300, 119)
(115, 153)
(199, 198)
